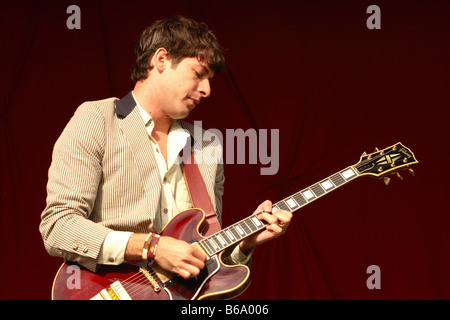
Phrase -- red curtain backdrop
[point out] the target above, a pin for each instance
(311, 69)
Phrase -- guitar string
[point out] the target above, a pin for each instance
(332, 177)
(133, 281)
(301, 205)
(219, 244)
(357, 166)
(142, 283)
(144, 286)
(376, 157)
(138, 286)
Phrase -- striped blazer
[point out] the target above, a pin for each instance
(104, 177)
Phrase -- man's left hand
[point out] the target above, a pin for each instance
(278, 221)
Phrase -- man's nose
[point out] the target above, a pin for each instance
(205, 88)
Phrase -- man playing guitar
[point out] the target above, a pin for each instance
(116, 179)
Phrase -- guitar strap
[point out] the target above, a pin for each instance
(199, 195)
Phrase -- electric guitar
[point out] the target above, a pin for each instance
(217, 280)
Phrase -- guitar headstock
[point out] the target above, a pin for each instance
(388, 160)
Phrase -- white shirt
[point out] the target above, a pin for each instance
(174, 194)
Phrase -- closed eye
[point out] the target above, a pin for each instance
(198, 75)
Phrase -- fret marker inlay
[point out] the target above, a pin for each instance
(348, 173)
(327, 184)
(308, 194)
(240, 230)
(291, 203)
(256, 221)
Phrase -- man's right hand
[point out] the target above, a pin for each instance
(173, 255)
(179, 257)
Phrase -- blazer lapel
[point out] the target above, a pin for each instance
(131, 124)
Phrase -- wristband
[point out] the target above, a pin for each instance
(146, 247)
(153, 246)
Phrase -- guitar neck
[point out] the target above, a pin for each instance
(250, 225)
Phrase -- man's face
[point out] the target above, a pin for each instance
(183, 86)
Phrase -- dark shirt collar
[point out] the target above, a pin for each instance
(125, 105)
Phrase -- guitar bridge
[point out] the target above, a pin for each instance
(151, 279)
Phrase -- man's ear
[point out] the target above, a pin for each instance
(160, 60)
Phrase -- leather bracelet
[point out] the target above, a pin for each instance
(153, 246)
(147, 243)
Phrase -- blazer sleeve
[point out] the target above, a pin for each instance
(73, 180)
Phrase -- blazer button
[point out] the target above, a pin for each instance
(166, 210)
(75, 247)
(85, 250)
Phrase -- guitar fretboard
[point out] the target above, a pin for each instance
(246, 227)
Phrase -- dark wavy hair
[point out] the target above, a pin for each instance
(182, 38)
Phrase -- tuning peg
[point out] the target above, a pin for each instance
(364, 154)
(376, 150)
(386, 180)
(411, 171)
(399, 176)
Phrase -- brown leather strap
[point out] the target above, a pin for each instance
(199, 195)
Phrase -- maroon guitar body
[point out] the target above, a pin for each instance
(149, 282)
